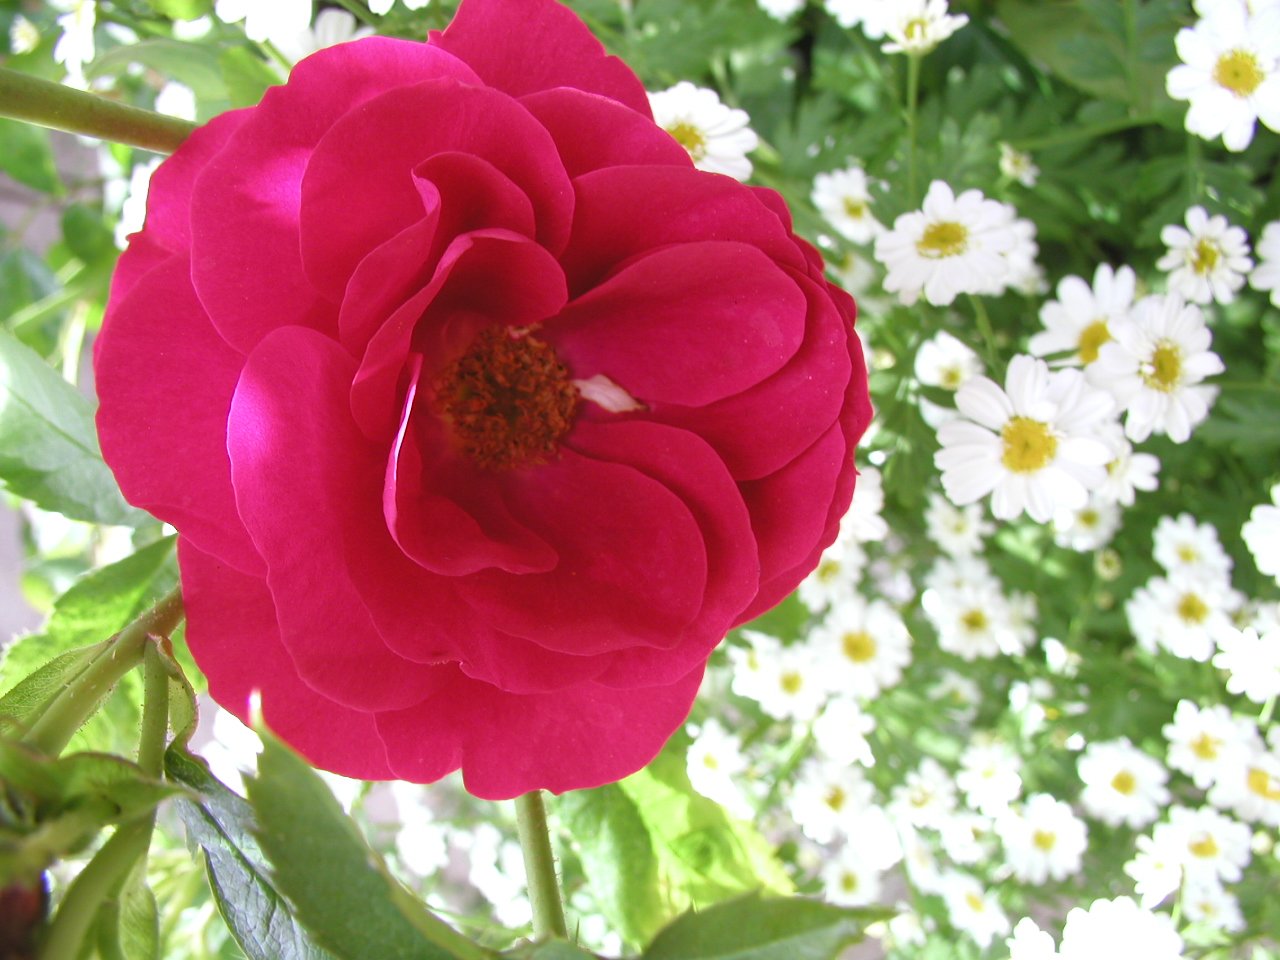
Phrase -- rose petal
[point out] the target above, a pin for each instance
(619, 135)
(616, 585)
(508, 745)
(443, 116)
(760, 430)
(253, 186)
(167, 229)
(309, 487)
(523, 46)
(232, 632)
(166, 380)
(687, 324)
(620, 212)
(690, 468)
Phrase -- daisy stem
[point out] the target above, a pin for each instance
(49, 104)
(984, 327)
(540, 867)
(913, 102)
(1268, 709)
(359, 11)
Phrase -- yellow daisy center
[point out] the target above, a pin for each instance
(1204, 846)
(690, 137)
(1238, 71)
(836, 798)
(1205, 747)
(1164, 370)
(792, 682)
(945, 239)
(916, 29)
(973, 620)
(1092, 338)
(975, 902)
(1263, 784)
(1205, 256)
(848, 882)
(1044, 840)
(855, 209)
(1192, 609)
(859, 646)
(1029, 445)
(1124, 782)
(1187, 553)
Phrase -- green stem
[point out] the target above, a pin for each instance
(81, 697)
(540, 866)
(1268, 709)
(1074, 134)
(913, 103)
(103, 874)
(360, 11)
(49, 104)
(155, 713)
(984, 327)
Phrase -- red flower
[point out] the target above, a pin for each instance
(482, 415)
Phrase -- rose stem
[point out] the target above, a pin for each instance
(540, 866)
(80, 698)
(110, 867)
(50, 104)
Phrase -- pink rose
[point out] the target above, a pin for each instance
(482, 415)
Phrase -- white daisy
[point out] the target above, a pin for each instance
(952, 245)
(330, 27)
(715, 135)
(834, 581)
(1205, 742)
(943, 361)
(848, 881)
(713, 762)
(1208, 902)
(1154, 365)
(915, 26)
(863, 523)
(1184, 547)
(958, 531)
(973, 909)
(926, 796)
(1261, 533)
(1043, 839)
(1017, 165)
(863, 647)
(824, 796)
(75, 46)
(269, 22)
(966, 837)
(781, 9)
(1210, 844)
(1122, 785)
(1207, 261)
(1266, 275)
(1252, 662)
(382, 7)
(844, 198)
(989, 776)
(422, 843)
(1032, 446)
(1118, 928)
(840, 733)
(1230, 72)
(1127, 472)
(973, 622)
(1181, 614)
(1079, 322)
(1249, 785)
(1156, 871)
(1087, 528)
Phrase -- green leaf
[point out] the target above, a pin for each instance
(26, 155)
(246, 75)
(194, 65)
(618, 858)
(86, 235)
(758, 928)
(341, 889)
(704, 855)
(48, 448)
(80, 778)
(549, 950)
(182, 9)
(22, 705)
(221, 823)
(129, 926)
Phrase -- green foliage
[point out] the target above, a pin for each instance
(222, 825)
(27, 156)
(48, 447)
(342, 893)
(758, 928)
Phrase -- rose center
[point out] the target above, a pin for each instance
(1124, 782)
(1091, 340)
(1205, 257)
(859, 646)
(690, 137)
(945, 239)
(1238, 71)
(1163, 371)
(508, 399)
(1029, 445)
